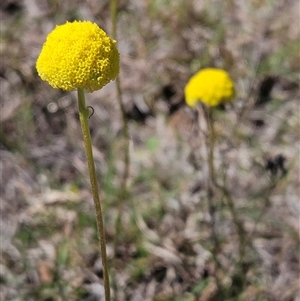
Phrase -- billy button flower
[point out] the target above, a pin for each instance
(210, 86)
(80, 55)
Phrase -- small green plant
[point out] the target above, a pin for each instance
(81, 56)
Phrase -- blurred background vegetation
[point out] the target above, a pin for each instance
(171, 246)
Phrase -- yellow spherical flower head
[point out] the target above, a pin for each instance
(76, 55)
(210, 86)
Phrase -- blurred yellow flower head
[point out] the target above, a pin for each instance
(210, 86)
(78, 55)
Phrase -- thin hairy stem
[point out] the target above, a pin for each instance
(125, 131)
(123, 188)
(212, 180)
(212, 138)
(237, 222)
(211, 190)
(239, 227)
(84, 120)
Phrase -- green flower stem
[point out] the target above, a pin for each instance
(211, 192)
(241, 232)
(212, 179)
(123, 188)
(237, 222)
(84, 120)
(113, 16)
(212, 138)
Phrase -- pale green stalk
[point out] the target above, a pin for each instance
(213, 182)
(211, 170)
(211, 191)
(122, 194)
(84, 120)
(212, 137)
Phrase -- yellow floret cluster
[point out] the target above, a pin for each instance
(210, 86)
(76, 55)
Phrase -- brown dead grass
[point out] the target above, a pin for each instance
(165, 251)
